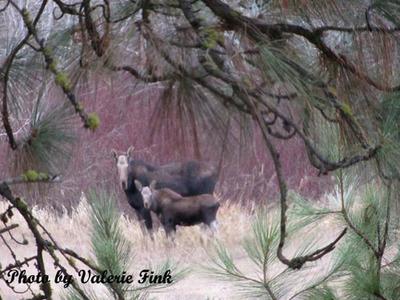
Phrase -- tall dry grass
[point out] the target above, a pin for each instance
(191, 248)
(72, 230)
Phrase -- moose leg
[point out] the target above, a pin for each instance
(214, 226)
(140, 220)
(148, 222)
(170, 228)
(210, 219)
(145, 222)
(204, 236)
(203, 226)
(210, 228)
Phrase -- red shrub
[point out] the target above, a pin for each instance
(125, 111)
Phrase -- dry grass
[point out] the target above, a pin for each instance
(73, 231)
(190, 248)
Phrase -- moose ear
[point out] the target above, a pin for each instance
(130, 151)
(138, 185)
(153, 185)
(114, 154)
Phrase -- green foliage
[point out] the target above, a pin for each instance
(114, 253)
(49, 143)
(22, 77)
(79, 107)
(21, 204)
(304, 212)
(93, 121)
(347, 109)
(355, 271)
(47, 51)
(53, 66)
(364, 274)
(187, 109)
(62, 80)
(260, 247)
(30, 175)
(389, 154)
(112, 250)
(284, 66)
(26, 16)
(389, 9)
(321, 293)
(211, 37)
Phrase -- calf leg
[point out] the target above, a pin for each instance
(205, 233)
(139, 218)
(146, 223)
(209, 216)
(214, 226)
(211, 227)
(170, 228)
(203, 226)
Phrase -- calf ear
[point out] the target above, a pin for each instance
(153, 185)
(114, 154)
(138, 185)
(130, 151)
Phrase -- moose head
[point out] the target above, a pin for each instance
(122, 162)
(147, 192)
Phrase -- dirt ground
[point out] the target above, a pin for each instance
(190, 251)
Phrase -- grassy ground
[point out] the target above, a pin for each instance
(190, 250)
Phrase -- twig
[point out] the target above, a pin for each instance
(22, 180)
(8, 228)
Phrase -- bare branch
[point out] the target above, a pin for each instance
(8, 228)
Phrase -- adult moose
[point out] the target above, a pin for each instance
(188, 178)
(173, 209)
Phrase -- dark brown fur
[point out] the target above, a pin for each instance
(187, 178)
(173, 209)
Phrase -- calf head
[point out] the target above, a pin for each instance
(147, 193)
(122, 162)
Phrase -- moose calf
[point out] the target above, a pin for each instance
(189, 178)
(173, 209)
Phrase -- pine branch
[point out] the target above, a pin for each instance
(44, 246)
(90, 121)
(41, 177)
(256, 29)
